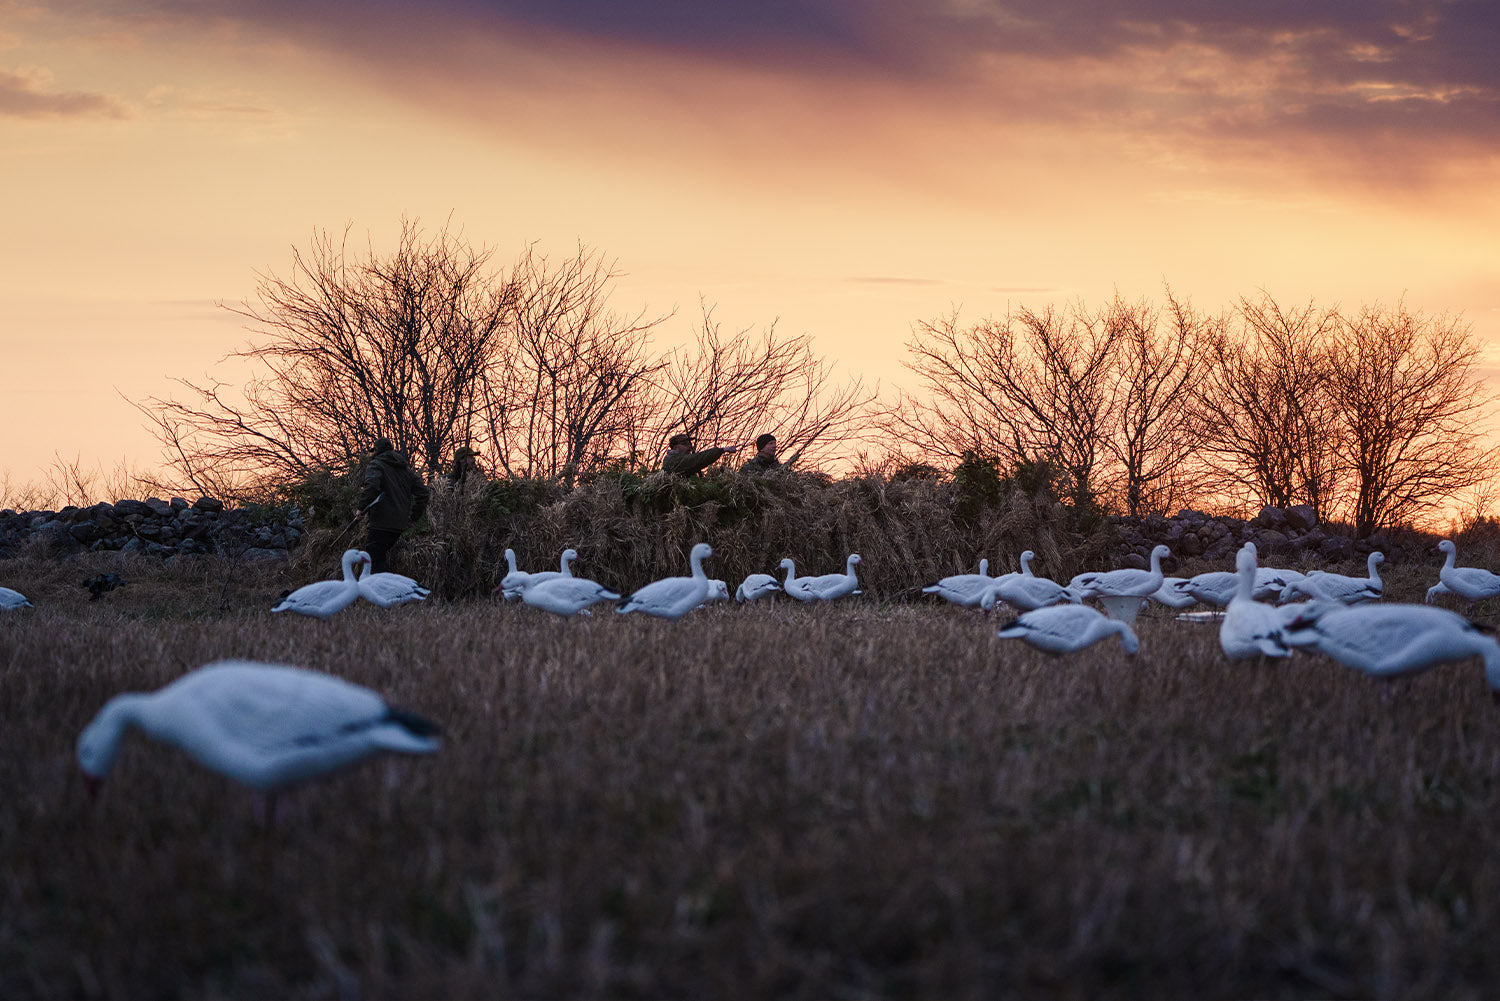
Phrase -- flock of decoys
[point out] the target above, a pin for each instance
(272, 725)
(1331, 613)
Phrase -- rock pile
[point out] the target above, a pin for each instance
(1289, 533)
(154, 527)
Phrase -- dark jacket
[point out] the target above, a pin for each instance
(761, 464)
(691, 463)
(403, 495)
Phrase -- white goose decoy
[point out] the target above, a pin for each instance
(1473, 583)
(1066, 628)
(1320, 584)
(718, 590)
(566, 596)
(1250, 628)
(673, 597)
(324, 598)
(1027, 593)
(964, 589)
(1217, 587)
(512, 584)
(12, 599)
(1395, 639)
(1122, 592)
(388, 589)
(824, 587)
(266, 726)
(515, 582)
(757, 585)
(1173, 593)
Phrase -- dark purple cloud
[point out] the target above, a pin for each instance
(1435, 61)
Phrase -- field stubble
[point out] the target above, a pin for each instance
(866, 800)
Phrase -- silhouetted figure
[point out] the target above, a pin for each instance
(465, 465)
(393, 498)
(764, 459)
(682, 460)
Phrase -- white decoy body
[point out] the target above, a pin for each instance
(1473, 583)
(1122, 592)
(1270, 582)
(1390, 640)
(757, 585)
(1173, 593)
(824, 587)
(1250, 628)
(673, 597)
(388, 589)
(966, 589)
(326, 597)
(1067, 628)
(266, 726)
(12, 599)
(1027, 593)
(566, 596)
(1217, 587)
(1322, 585)
(515, 582)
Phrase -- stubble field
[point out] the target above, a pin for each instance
(865, 800)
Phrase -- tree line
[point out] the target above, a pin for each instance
(1374, 416)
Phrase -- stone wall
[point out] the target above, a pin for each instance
(1292, 535)
(154, 527)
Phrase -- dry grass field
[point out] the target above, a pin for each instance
(868, 800)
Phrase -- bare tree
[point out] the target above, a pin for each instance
(1156, 370)
(1034, 388)
(1264, 409)
(350, 349)
(569, 389)
(731, 389)
(1411, 402)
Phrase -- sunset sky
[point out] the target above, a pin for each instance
(845, 167)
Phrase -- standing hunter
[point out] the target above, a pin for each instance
(682, 460)
(393, 498)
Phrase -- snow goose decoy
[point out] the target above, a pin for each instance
(1320, 584)
(825, 587)
(388, 589)
(515, 582)
(1122, 592)
(1067, 628)
(322, 599)
(1027, 593)
(1473, 583)
(12, 599)
(757, 585)
(1173, 593)
(566, 596)
(673, 597)
(1250, 628)
(966, 589)
(1390, 640)
(267, 726)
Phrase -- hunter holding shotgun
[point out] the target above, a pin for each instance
(393, 498)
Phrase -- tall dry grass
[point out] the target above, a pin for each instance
(871, 800)
(629, 531)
